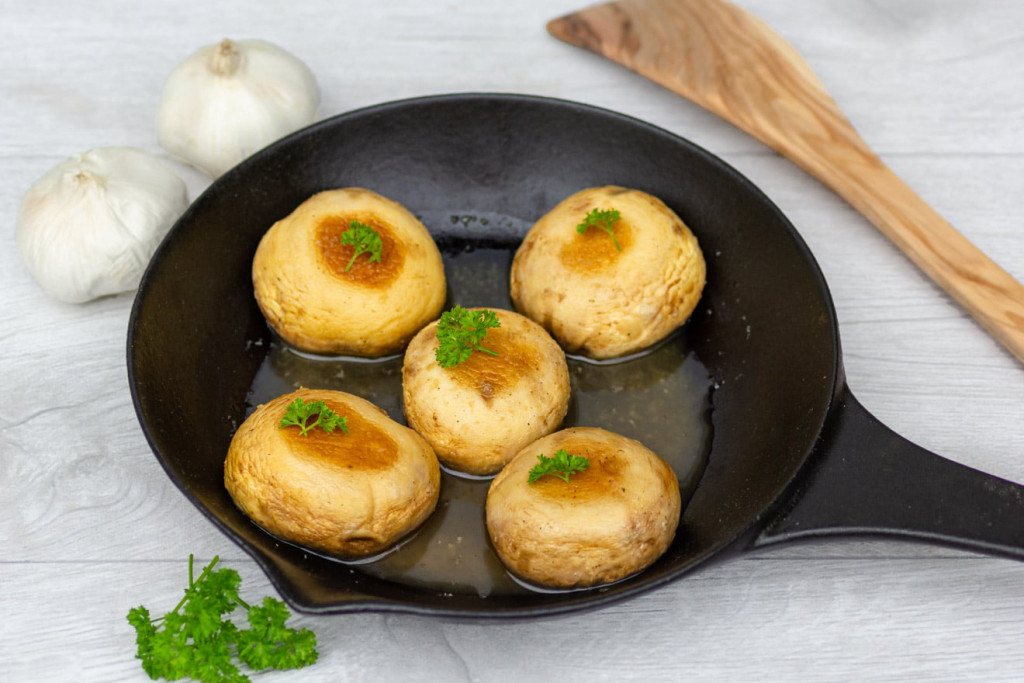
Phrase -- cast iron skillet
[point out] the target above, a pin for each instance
(793, 455)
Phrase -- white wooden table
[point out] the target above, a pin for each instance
(91, 526)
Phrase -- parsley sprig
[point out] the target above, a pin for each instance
(363, 239)
(459, 333)
(299, 412)
(195, 639)
(563, 465)
(603, 220)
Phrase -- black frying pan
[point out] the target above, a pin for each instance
(792, 453)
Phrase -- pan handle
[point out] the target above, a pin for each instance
(866, 479)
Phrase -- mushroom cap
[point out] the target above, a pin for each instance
(478, 414)
(318, 299)
(600, 299)
(348, 494)
(606, 523)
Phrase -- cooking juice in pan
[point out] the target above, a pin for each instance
(660, 397)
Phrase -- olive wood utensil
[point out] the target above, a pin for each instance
(732, 64)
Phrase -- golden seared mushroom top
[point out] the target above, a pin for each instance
(492, 376)
(594, 250)
(366, 446)
(604, 477)
(341, 258)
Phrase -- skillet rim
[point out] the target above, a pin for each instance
(570, 601)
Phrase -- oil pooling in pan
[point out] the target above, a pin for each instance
(660, 397)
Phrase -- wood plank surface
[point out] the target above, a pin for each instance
(91, 525)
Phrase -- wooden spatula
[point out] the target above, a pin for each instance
(729, 62)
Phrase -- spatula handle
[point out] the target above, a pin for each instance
(729, 62)
(989, 293)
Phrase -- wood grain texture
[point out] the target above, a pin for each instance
(90, 525)
(793, 623)
(725, 59)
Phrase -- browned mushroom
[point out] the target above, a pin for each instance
(605, 523)
(350, 494)
(479, 413)
(611, 290)
(319, 299)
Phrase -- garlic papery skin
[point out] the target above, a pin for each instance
(229, 100)
(89, 225)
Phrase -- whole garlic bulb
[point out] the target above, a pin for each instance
(89, 225)
(229, 100)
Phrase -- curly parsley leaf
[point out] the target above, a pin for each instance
(299, 412)
(363, 239)
(563, 465)
(271, 644)
(195, 640)
(459, 333)
(603, 220)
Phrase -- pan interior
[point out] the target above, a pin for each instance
(764, 332)
(661, 397)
